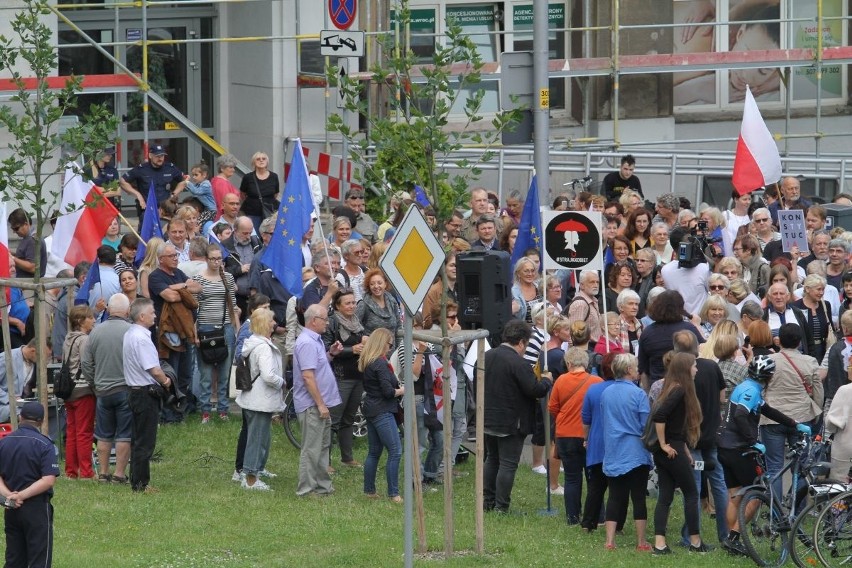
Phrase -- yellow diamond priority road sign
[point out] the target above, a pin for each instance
(413, 259)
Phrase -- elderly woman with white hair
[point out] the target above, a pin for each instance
(719, 285)
(817, 313)
(525, 292)
(627, 304)
(764, 231)
(351, 250)
(660, 243)
(832, 295)
(714, 310)
(730, 267)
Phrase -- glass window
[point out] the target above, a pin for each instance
(522, 23)
(478, 22)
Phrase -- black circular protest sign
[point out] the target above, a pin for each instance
(573, 240)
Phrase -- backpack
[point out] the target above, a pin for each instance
(242, 375)
(64, 385)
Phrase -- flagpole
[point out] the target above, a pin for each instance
(132, 230)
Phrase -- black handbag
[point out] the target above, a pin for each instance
(649, 436)
(212, 346)
(65, 384)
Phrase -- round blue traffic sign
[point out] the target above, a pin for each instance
(342, 13)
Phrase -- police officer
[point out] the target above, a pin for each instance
(105, 175)
(28, 470)
(167, 178)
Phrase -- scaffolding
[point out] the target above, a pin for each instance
(614, 66)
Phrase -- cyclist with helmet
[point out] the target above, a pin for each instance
(738, 434)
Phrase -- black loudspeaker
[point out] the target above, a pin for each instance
(483, 283)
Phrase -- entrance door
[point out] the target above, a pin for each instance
(180, 73)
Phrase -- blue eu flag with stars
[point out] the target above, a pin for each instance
(283, 255)
(529, 230)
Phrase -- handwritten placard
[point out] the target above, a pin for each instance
(793, 232)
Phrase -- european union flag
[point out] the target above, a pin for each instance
(420, 196)
(150, 223)
(93, 277)
(213, 239)
(529, 230)
(283, 255)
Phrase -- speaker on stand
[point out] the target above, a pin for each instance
(483, 283)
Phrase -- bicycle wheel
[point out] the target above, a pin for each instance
(802, 548)
(359, 425)
(833, 533)
(763, 528)
(291, 422)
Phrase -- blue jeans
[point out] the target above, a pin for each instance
(382, 432)
(776, 438)
(258, 439)
(431, 439)
(222, 370)
(573, 456)
(719, 491)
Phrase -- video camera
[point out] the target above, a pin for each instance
(696, 247)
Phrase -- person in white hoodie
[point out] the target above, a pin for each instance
(265, 398)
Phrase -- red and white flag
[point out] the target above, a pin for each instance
(78, 234)
(4, 243)
(757, 162)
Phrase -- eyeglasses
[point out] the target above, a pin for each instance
(453, 317)
(738, 249)
(175, 255)
(267, 232)
(215, 259)
(762, 220)
(717, 287)
(320, 318)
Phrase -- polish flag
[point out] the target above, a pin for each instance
(78, 234)
(757, 163)
(4, 247)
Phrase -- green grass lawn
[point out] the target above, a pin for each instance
(202, 518)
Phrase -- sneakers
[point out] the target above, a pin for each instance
(223, 416)
(267, 474)
(238, 476)
(661, 551)
(735, 547)
(205, 418)
(558, 491)
(700, 549)
(540, 469)
(258, 485)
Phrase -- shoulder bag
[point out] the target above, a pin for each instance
(267, 212)
(649, 436)
(212, 346)
(65, 383)
(814, 396)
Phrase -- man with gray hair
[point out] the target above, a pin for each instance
(314, 392)
(103, 366)
(584, 306)
(146, 380)
(668, 206)
(165, 285)
(242, 247)
(197, 262)
(838, 261)
(790, 197)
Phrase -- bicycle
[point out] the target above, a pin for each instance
(294, 431)
(833, 530)
(765, 518)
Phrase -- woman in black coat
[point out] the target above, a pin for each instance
(381, 402)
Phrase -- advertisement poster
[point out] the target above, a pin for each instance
(805, 34)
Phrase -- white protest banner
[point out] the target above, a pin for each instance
(793, 232)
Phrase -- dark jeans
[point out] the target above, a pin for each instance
(502, 455)
(29, 533)
(673, 473)
(573, 456)
(632, 485)
(181, 362)
(241, 444)
(343, 415)
(382, 432)
(145, 409)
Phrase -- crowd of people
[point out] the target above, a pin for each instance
(745, 334)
